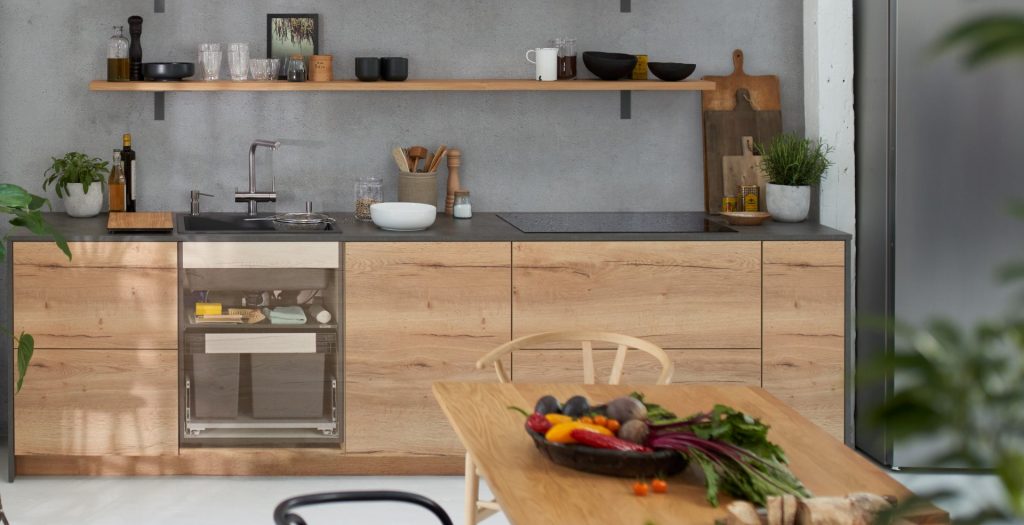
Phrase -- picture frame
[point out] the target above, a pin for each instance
(289, 34)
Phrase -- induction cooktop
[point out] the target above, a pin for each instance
(613, 222)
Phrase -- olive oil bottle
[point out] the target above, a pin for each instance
(131, 174)
(116, 184)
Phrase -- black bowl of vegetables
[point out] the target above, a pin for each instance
(654, 464)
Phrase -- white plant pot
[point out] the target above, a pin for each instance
(80, 204)
(788, 203)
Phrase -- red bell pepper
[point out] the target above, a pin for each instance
(593, 439)
(538, 423)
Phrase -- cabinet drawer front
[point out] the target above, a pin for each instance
(264, 343)
(98, 402)
(697, 366)
(674, 294)
(804, 328)
(110, 295)
(417, 313)
(259, 255)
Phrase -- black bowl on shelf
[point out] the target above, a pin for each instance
(609, 66)
(168, 70)
(611, 462)
(671, 71)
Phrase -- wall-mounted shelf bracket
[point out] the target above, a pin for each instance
(158, 105)
(625, 105)
(158, 6)
(626, 6)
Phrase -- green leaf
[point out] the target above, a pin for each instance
(1011, 472)
(12, 196)
(26, 347)
(986, 39)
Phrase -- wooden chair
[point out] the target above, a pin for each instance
(283, 514)
(477, 510)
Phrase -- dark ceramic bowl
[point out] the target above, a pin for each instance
(671, 71)
(611, 462)
(168, 70)
(394, 69)
(609, 66)
(368, 69)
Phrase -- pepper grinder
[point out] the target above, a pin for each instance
(454, 162)
(135, 51)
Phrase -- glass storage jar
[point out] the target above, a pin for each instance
(462, 209)
(369, 191)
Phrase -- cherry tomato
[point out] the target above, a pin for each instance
(613, 425)
(601, 420)
(660, 486)
(640, 488)
(587, 419)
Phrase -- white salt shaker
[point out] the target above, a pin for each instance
(462, 209)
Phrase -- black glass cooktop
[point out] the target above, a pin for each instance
(611, 222)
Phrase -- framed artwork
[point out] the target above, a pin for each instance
(292, 34)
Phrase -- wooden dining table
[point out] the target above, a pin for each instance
(533, 490)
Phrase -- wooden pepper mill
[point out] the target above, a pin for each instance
(454, 162)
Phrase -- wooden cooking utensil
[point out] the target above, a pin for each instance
(400, 159)
(416, 153)
(744, 170)
(429, 161)
(454, 162)
(439, 155)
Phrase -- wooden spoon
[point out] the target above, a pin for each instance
(428, 162)
(435, 163)
(400, 160)
(415, 154)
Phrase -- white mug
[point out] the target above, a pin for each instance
(546, 59)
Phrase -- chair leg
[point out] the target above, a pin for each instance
(472, 491)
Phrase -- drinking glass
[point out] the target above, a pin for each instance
(258, 68)
(238, 60)
(274, 71)
(209, 61)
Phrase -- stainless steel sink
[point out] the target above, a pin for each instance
(231, 223)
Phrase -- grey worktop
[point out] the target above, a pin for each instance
(483, 227)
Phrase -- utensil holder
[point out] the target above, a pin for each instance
(418, 187)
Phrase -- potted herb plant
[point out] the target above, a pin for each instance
(793, 164)
(78, 179)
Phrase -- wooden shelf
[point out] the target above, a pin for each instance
(408, 85)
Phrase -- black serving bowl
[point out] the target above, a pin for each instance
(671, 71)
(609, 66)
(611, 462)
(168, 70)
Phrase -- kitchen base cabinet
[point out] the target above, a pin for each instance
(417, 313)
(673, 294)
(804, 329)
(728, 366)
(98, 402)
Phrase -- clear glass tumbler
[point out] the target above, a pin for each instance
(258, 68)
(238, 61)
(275, 69)
(209, 61)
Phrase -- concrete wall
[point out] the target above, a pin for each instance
(522, 151)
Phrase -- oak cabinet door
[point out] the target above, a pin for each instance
(676, 295)
(87, 402)
(110, 295)
(804, 328)
(416, 313)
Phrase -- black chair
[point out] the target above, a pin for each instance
(283, 514)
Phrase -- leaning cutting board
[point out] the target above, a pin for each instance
(741, 105)
(142, 221)
(744, 170)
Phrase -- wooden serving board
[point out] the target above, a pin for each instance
(744, 170)
(143, 221)
(763, 89)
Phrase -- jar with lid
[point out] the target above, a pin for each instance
(462, 208)
(369, 191)
(118, 63)
(296, 69)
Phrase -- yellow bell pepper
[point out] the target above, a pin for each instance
(562, 432)
(556, 419)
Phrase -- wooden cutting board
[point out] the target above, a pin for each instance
(143, 221)
(744, 170)
(763, 89)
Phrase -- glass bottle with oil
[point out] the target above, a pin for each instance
(116, 184)
(118, 67)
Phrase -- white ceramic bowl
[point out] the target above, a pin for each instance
(403, 216)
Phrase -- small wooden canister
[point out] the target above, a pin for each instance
(321, 68)
(418, 187)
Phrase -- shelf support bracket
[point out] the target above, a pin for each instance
(158, 6)
(625, 105)
(158, 105)
(626, 6)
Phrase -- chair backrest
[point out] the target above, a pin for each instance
(283, 514)
(586, 340)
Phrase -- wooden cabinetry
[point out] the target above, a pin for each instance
(804, 328)
(673, 294)
(103, 380)
(416, 313)
(714, 366)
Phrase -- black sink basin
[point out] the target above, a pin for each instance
(233, 223)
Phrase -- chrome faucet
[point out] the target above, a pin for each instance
(252, 196)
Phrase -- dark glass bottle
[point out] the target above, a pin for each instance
(131, 175)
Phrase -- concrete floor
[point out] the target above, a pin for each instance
(250, 501)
